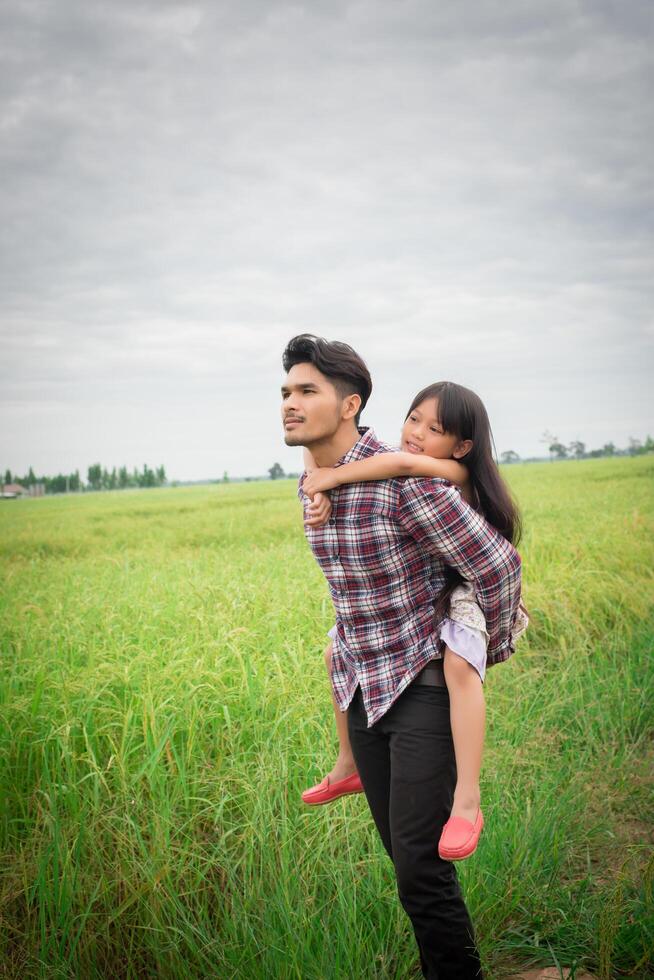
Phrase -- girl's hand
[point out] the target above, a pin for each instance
(319, 510)
(319, 480)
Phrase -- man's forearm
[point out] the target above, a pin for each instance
(498, 594)
(437, 517)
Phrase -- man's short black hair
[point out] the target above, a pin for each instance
(339, 362)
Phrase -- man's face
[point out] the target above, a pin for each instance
(311, 406)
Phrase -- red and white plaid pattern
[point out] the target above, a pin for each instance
(383, 553)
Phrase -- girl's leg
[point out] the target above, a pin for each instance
(468, 719)
(345, 765)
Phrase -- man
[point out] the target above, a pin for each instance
(384, 553)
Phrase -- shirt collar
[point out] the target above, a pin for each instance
(365, 446)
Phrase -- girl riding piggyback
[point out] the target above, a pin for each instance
(446, 435)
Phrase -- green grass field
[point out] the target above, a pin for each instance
(163, 702)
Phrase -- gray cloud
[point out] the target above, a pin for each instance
(460, 191)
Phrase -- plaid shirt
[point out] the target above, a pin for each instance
(384, 552)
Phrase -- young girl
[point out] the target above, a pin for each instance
(447, 435)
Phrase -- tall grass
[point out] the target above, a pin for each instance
(163, 703)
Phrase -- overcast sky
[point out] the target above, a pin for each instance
(460, 190)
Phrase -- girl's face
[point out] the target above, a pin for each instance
(423, 433)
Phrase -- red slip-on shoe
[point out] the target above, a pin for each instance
(327, 791)
(460, 838)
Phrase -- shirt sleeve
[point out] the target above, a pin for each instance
(436, 516)
(300, 484)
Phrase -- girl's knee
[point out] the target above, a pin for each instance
(456, 668)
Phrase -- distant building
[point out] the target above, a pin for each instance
(11, 490)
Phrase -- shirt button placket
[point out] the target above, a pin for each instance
(333, 540)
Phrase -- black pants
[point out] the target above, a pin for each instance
(407, 767)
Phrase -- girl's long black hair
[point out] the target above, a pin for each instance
(461, 413)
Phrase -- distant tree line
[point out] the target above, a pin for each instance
(98, 477)
(577, 449)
